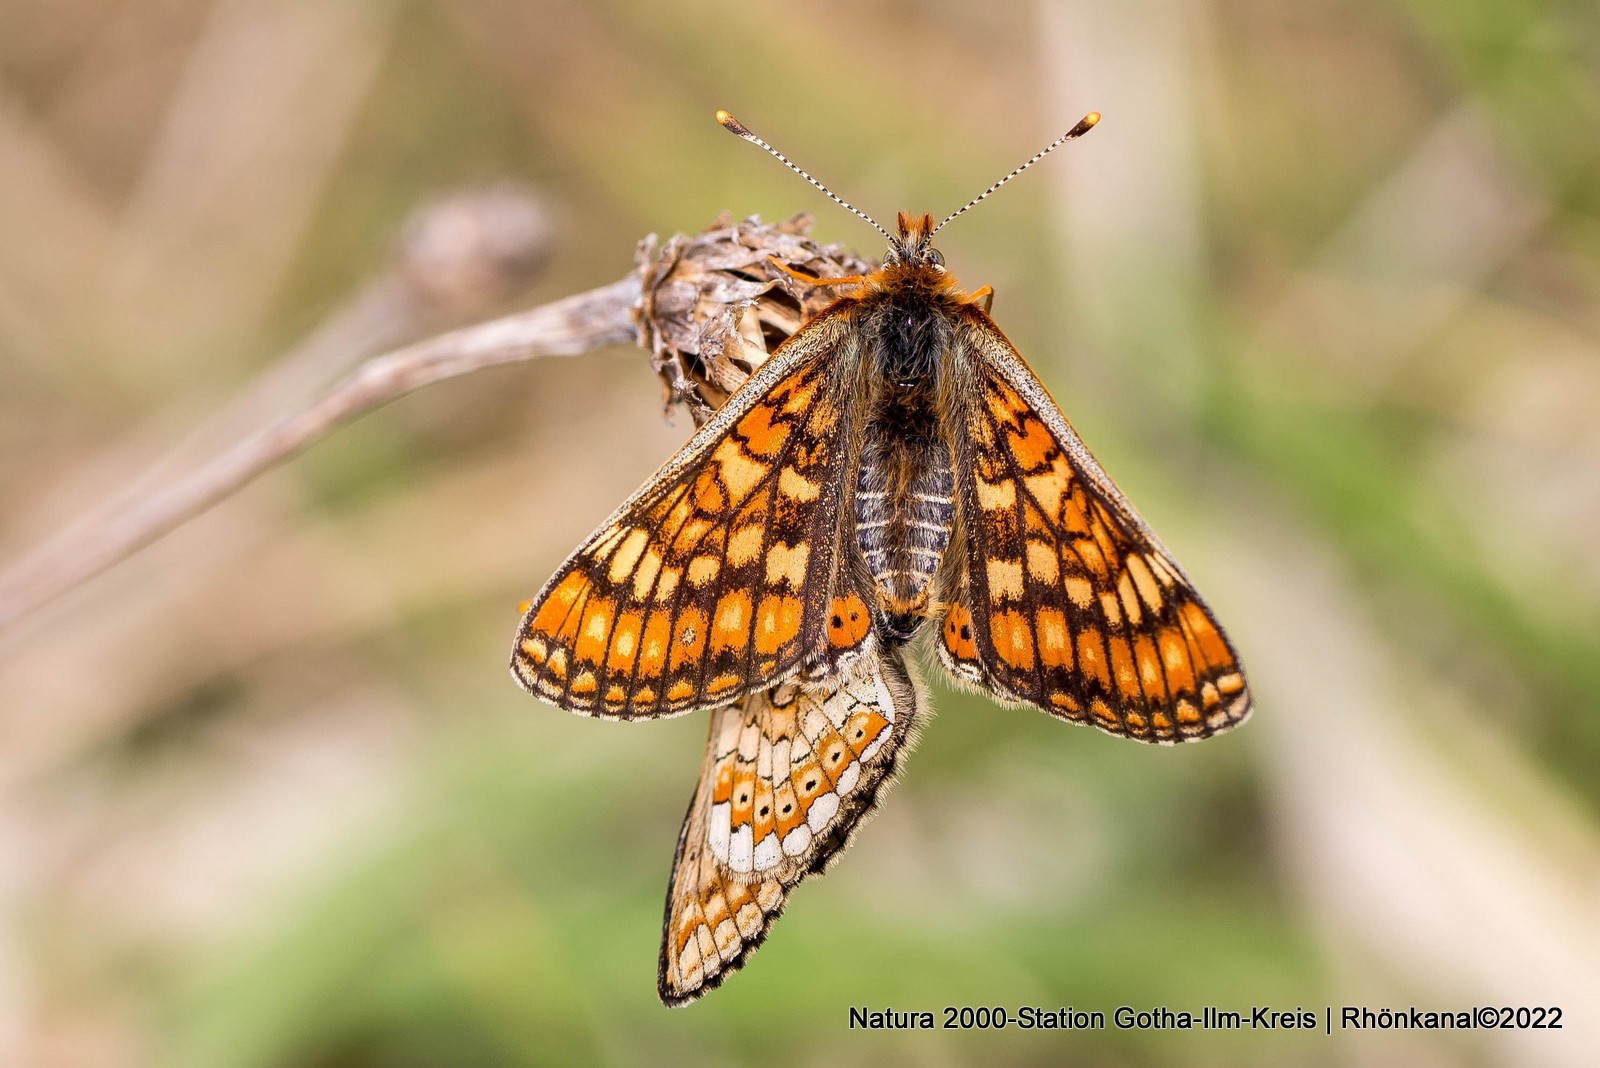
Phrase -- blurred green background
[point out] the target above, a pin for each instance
(1322, 292)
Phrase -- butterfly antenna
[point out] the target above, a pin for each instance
(1085, 124)
(733, 125)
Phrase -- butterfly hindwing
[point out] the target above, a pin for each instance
(1068, 602)
(789, 774)
(719, 576)
(794, 766)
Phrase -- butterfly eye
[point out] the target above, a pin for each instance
(934, 258)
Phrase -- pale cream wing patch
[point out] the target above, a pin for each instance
(789, 774)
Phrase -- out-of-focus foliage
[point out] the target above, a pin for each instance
(1322, 291)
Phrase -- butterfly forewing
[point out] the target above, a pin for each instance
(1068, 602)
(719, 575)
(788, 776)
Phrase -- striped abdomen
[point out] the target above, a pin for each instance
(903, 518)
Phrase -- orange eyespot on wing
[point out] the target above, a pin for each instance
(958, 646)
(715, 579)
(849, 621)
(789, 775)
(1068, 602)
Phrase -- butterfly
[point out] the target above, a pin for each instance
(893, 470)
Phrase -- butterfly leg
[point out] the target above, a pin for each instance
(985, 294)
(815, 280)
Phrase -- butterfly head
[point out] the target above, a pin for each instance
(914, 246)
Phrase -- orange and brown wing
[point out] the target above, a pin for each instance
(789, 775)
(718, 576)
(1069, 602)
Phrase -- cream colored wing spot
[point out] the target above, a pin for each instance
(996, 496)
(786, 565)
(1005, 580)
(627, 556)
(1144, 581)
(797, 487)
(745, 544)
(738, 472)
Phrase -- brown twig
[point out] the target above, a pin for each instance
(460, 255)
(565, 328)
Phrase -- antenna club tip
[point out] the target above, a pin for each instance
(1085, 124)
(728, 122)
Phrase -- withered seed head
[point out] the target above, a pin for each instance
(712, 307)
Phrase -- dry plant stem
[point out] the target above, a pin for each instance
(459, 254)
(567, 327)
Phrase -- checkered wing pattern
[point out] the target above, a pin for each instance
(1066, 600)
(720, 576)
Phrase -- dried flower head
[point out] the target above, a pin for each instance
(713, 307)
